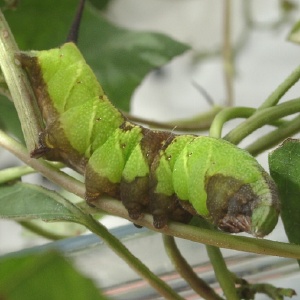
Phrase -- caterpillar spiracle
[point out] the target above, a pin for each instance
(172, 177)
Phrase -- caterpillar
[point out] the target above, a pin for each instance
(173, 177)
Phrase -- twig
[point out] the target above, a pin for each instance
(19, 86)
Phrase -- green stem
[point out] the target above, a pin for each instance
(131, 260)
(19, 86)
(114, 207)
(261, 118)
(196, 123)
(41, 231)
(227, 53)
(228, 114)
(187, 272)
(49, 170)
(222, 273)
(241, 131)
(275, 137)
(231, 113)
(246, 288)
(272, 291)
(274, 98)
(223, 240)
(14, 173)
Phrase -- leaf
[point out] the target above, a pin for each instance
(284, 165)
(23, 201)
(9, 121)
(47, 276)
(100, 4)
(294, 35)
(120, 58)
(124, 58)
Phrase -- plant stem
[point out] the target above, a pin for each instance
(115, 207)
(231, 113)
(186, 271)
(49, 170)
(261, 118)
(276, 136)
(227, 53)
(223, 240)
(41, 231)
(19, 86)
(14, 173)
(272, 291)
(198, 122)
(274, 98)
(223, 275)
(227, 114)
(131, 260)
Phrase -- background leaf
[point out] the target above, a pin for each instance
(120, 58)
(9, 121)
(284, 165)
(47, 276)
(100, 4)
(27, 201)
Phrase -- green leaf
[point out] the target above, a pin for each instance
(100, 4)
(23, 201)
(284, 165)
(124, 58)
(9, 121)
(47, 276)
(294, 35)
(120, 58)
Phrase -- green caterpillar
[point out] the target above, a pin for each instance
(170, 176)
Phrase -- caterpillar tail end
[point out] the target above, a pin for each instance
(235, 206)
(264, 219)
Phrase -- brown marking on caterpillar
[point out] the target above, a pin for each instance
(135, 195)
(53, 144)
(230, 210)
(31, 65)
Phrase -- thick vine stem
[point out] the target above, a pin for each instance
(115, 207)
(45, 168)
(14, 173)
(19, 86)
(231, 113)
(240, 132)
(187, 272)
(222, 273)
(261, 118)
(226, 115)
(274, 137)
(199, 122)
(130, 259)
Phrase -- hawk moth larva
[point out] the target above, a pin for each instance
(170, 176)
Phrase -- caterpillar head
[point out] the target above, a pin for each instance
(236, 206)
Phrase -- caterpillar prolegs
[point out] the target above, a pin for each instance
(172, 177)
